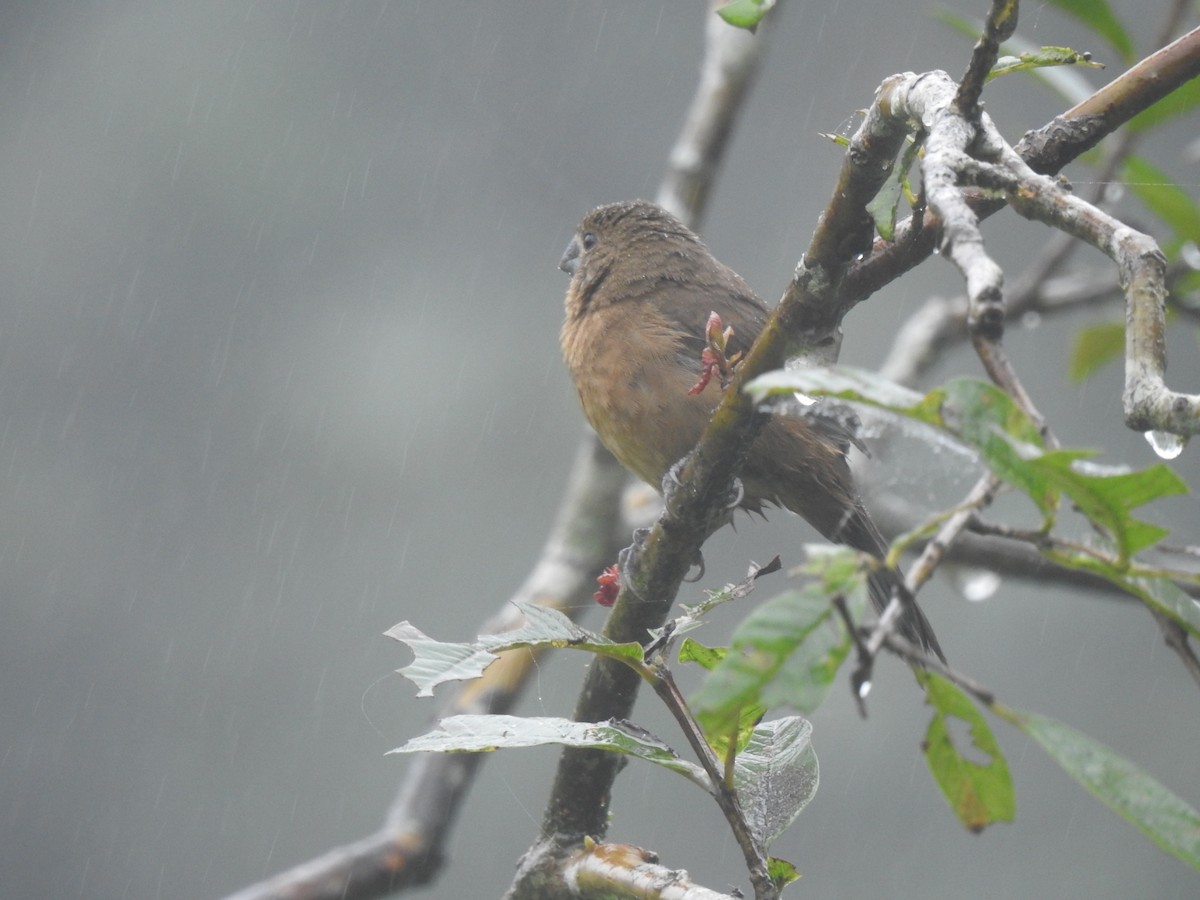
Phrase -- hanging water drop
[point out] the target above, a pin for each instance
(1165, 444)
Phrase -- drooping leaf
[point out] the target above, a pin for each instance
(1161, 815)
(483, 734)
(776, 776)
(436, 662)
(1100, 18)
(1095, 346)
(980, 793)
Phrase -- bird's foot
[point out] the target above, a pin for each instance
(671, 484)
(627, 559)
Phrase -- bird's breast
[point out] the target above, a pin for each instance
(630, 368)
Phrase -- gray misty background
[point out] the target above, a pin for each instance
(278, 368)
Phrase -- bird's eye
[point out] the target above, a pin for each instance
(589, 240)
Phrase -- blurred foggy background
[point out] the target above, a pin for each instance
(279, 368)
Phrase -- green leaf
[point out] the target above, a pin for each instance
(1182, 100)
(483, 734)
(745, 13)
(978, 413)
(776, 776)
(1095, 346)
(1065, 82)
(840, 139)
(695, 652)
(1128, 791)
(1107, 498)
(1100, 18)
(1163, 196)
(748, 716)
(436, 662)
(1042, 58)
(991, 422)
(979, 793)
(786, 651)
(884, 205)
(781, 871)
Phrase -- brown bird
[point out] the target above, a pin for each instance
(642, 286)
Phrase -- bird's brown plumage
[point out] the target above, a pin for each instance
(642, 286)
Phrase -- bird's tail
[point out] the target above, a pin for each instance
(859, 531)
(912, 626)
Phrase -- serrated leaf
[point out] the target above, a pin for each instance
(745, 13)
(1100, 18)
(436, 662)
(483, 734)
(787, 651)
(1107, 499)
(1095, 346)
(1163, 196)
(979, 793)
(776, 776)
(1161, 815)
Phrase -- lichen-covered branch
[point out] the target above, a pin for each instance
(1046, 150)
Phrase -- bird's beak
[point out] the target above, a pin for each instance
(570, 259)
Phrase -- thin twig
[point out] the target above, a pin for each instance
(724, 792)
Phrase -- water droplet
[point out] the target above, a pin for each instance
(863, 689)
(977, 585)
(1165, 444)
